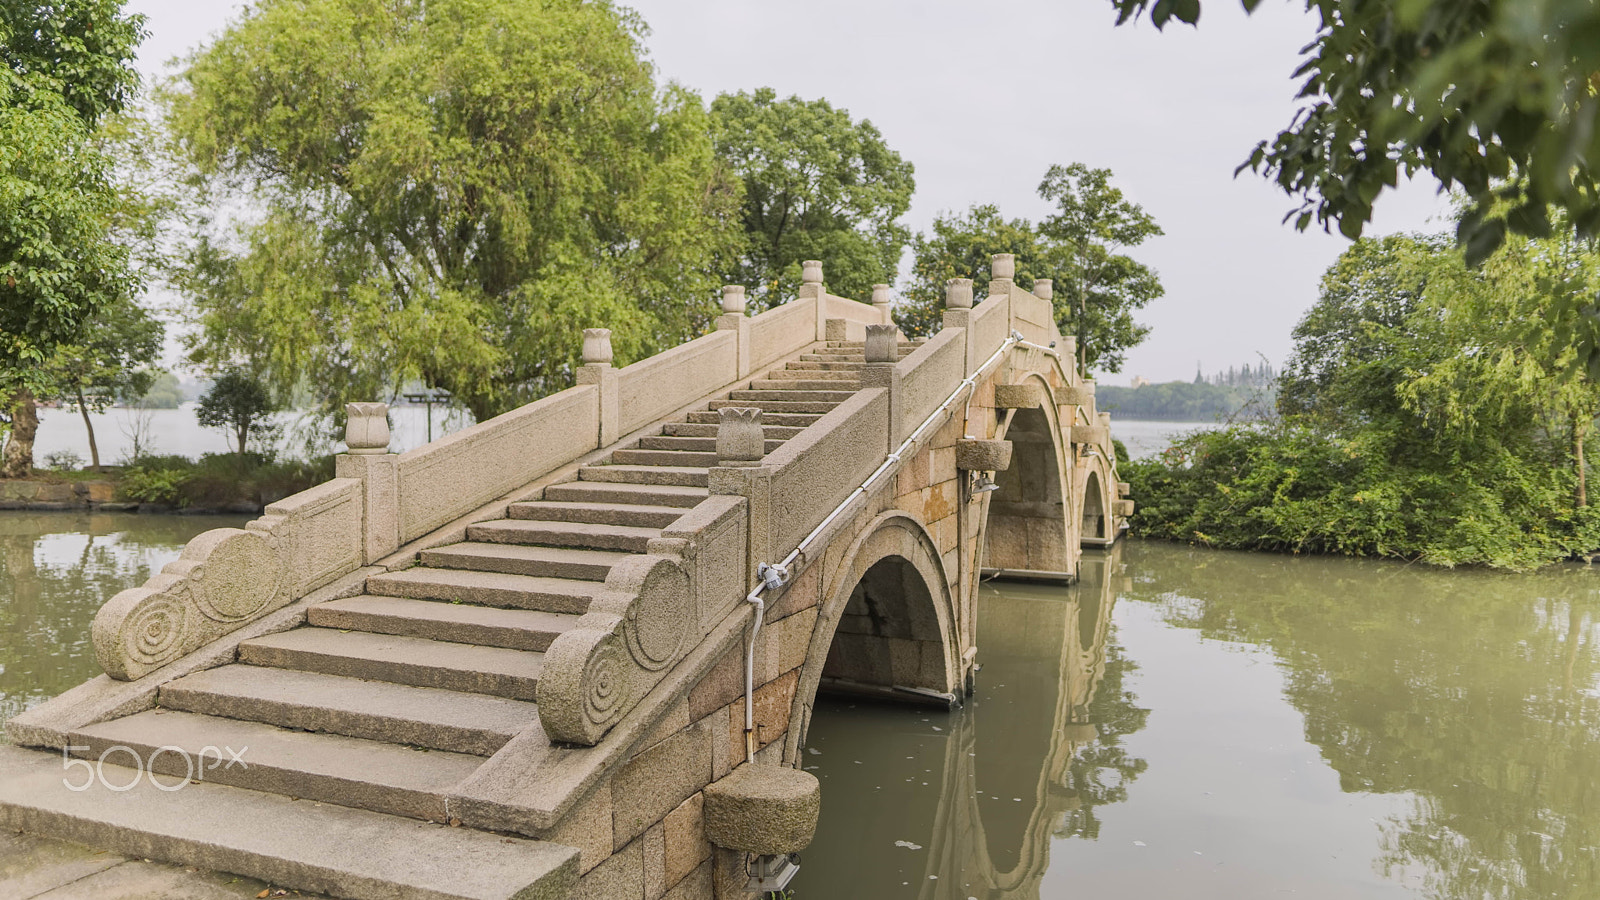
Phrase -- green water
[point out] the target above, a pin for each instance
(1183, 724)
(1263, 726)
(56, 570)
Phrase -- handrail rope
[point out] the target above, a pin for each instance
(775, 575)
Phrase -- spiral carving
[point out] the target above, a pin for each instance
(153, 635)
(606, 682)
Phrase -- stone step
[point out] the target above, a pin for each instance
(780, 406)
(861, 345)
(788, 385)
(787, 396)
(848, 376)
(773, 433)
(461, 623)
(769, 419)
(699, 444)
(556, 595)
(642, 516)
(374, 710)
(677, 496)
(329, 768)
(804, 367)
(675, 458)
(298, 845)
(400, 660)
(681, 476)
(515, 559)
(582, 535)
(845, 356)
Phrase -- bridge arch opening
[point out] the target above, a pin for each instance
(1027, 528)
(1094, 510)
(888, 634)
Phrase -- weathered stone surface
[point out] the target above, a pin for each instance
(958, 293)
(763, 809)
(1122, 507)
(883, 344)
(654, 782)
(313, 847)
(686, 845)
(1028, 395)
(621, 877)
(740, 440)
(694, 886)
(983, 456)
(225, 578)
(1124, 489)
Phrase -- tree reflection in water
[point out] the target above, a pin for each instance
(938, 805)
(56, 571)
(1477, 694)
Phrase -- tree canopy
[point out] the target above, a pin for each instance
(1430, 413)
(66, 67)
(449, 191)
(817, 185)
(1496, 98)
(1080, 247)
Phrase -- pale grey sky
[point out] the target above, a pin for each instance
(983, 98)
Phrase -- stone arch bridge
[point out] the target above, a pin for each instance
(572, 651)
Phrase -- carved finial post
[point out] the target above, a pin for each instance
(1003, 266)
(958, 293)
(1044, 288)
(733, 300)
(883, 343)
(740, 438)
(366, 428)
(597, 346)
(811, 271)
(881, 302)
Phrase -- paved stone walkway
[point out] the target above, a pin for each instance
(35, 868)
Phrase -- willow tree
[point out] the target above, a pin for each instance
(447, 191)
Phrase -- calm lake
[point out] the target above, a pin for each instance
(1182, 723)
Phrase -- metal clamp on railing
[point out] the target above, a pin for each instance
(775, 575)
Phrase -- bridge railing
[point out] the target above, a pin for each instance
(381, 501)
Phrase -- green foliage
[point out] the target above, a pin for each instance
(1097, 287)
(238, 403)
(1431, 413)
(220, 480)
(1495, 97)
(65, 67)
(1300, 489)
(450, 192)
(816, 186)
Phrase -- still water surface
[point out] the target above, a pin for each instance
(56, 570)
(1183, 723)
(1198, 724)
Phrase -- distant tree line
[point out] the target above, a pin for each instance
(1243, 392)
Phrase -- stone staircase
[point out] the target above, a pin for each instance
(386, 701)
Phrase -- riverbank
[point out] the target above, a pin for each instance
(216, 483)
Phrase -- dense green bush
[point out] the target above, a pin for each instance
(1294, 487)
(220, 480)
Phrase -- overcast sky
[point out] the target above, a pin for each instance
(983, 98)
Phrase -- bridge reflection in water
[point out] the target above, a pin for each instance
(936, 805)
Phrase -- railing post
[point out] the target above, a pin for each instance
(366, 434)
(597, 370)
(735, 318)
(1002, 273)
(811, 286)
(882, 303)
(741, 440)
(958, 314)
(882, 353)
